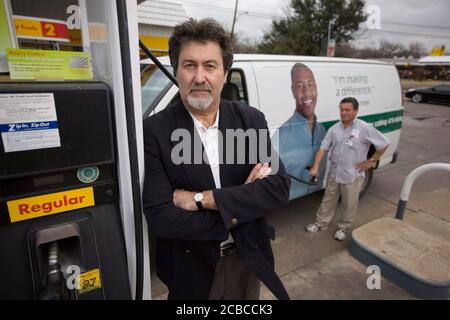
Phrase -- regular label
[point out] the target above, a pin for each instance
(40, 206)
(28, 122)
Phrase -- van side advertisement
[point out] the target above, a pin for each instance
(298, 129)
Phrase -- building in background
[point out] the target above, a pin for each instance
(157, 20)
(425, 68)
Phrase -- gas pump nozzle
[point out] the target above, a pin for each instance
(55, 284)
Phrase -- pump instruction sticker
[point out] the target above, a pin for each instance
(40, 206)
(89, 281)
(28, 122)
(26, 64)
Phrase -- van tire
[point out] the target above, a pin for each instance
(366, 183)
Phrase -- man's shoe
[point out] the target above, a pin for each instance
(340, 235)
(314, 227)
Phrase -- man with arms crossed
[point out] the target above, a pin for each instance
(208, 218)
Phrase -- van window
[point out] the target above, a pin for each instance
(154, 85)
(237, 77)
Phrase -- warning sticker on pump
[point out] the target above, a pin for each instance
(89, 281)
(40, 206)
(28, 122)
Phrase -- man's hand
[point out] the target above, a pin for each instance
(260, 171)
(365, 165)
(313, 171)
(184, 200)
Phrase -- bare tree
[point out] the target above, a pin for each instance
(243, 45)
(385, 49)
(390, 49)
(417, 50)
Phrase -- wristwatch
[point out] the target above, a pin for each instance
(198, 198)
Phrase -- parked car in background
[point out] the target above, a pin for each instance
(440, 93)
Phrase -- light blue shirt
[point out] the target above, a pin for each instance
(297, 147)
(349, 146)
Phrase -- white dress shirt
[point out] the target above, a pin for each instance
(210, 140)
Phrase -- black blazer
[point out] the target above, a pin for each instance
(188, 243)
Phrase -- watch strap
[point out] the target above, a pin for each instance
(199, 205)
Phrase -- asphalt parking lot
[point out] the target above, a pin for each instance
(315, 266)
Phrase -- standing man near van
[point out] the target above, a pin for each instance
(300, 136)
(208, 218)
(348, 142)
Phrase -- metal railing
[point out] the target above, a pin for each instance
(409, 181)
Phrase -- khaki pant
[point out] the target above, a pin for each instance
(350, 197)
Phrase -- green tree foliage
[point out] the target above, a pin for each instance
(303, 31)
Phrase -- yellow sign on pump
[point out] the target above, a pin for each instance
(89, 281)
(27, 64)
(48, 204)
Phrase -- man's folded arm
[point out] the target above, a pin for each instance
(246, 202)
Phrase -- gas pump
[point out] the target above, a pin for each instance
(62, 202)
(71, 162)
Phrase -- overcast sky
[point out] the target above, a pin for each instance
(425, 21)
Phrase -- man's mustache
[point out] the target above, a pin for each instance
(202, 87)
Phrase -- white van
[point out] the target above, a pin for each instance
(264, 82)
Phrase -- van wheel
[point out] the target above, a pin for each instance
(417, 98)
(366, 183)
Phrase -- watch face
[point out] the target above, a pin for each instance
(198, 197)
